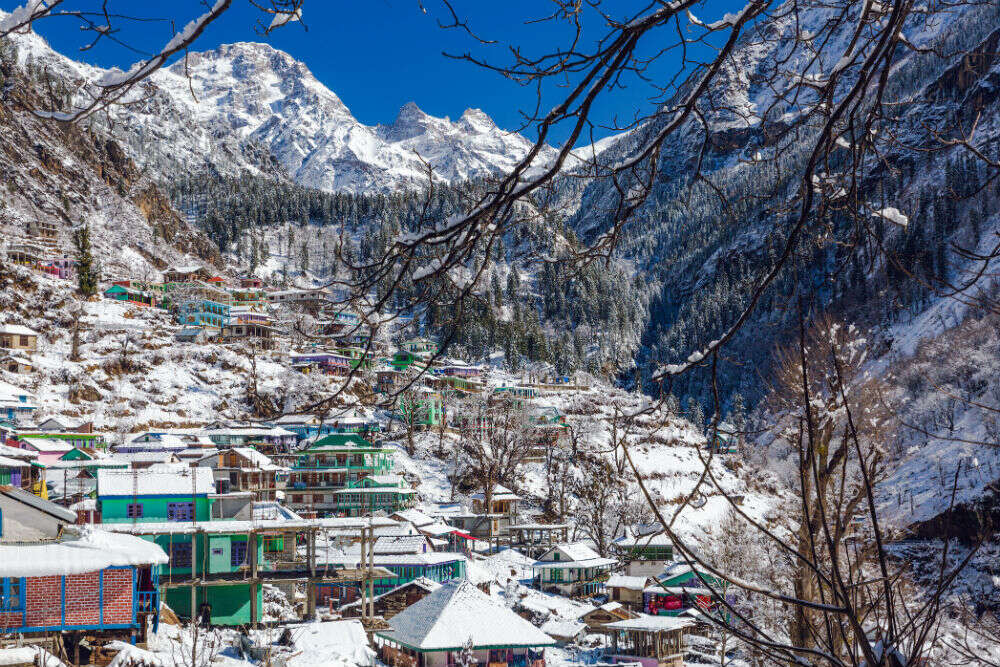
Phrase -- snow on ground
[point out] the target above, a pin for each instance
(133, 374)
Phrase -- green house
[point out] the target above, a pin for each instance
(336, 461)
(404, 359)
(388, 493)
(155, 495)
(422, 406)
(217, 554)
(140, 297)
(358, 357)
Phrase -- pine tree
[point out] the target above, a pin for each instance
(86, 270)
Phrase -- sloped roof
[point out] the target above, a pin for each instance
(17, 452)
(578, 553)
(256, 458)
(414, 516)
(628, 582)
(651, 623)
(169, 482)
(457, 612)
(500, 492)
(341, 440)
(7, 462)
(17, 330)
(651, 540)
(40, 504)
(558, 627)
(47, 445)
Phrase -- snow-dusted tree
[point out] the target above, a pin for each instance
(467, 656)
(843, 602)
(87, 275)
(495, 441)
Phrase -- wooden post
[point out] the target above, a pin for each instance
(371, 571)
(362, 567)
(254, 585)
(311, 583)
(194, 577)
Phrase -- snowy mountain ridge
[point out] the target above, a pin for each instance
(250, 107)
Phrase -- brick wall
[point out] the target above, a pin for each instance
(44, 601)
(117, 596)
(83, 599)
(43, 598)
(11, 619)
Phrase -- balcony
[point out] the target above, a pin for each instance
(147, 602)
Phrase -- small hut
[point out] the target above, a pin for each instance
(652, 641)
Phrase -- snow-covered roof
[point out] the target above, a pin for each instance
(437, 528)
(558, 627)
(257, 459)
(651, 623)
(188, 268)
(414, 516)
(652, 540)
(400, 544)
(146, 457)
(91, 551)
(628, 582)
(477, 574)
(426, 584)
(17, 330)
(579, 554)
(499, 493)
(17, 452)
(47, 445)
(352, 557)
(456, 613)
(7, 462)
(263, 431)
(150, 482)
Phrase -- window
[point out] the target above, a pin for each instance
(134, 510)
(180, 511)
(238, 553)
(274, 544)
(24, 341)
(11, 594)
(180, 554)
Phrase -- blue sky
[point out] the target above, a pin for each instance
(379, 54)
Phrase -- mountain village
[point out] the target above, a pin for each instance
(655, 341)
(273, 533)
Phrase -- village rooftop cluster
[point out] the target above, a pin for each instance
(99, 534)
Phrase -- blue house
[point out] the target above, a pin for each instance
(16, 404)
(203, 313)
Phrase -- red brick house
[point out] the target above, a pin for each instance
(72, 578)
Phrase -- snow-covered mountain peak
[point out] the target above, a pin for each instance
(250, 107)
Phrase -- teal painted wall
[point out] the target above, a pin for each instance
(218, 561)
(114, 509)
(230, 604)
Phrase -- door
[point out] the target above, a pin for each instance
(219, 555)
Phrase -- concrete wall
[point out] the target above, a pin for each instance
(22, 523)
